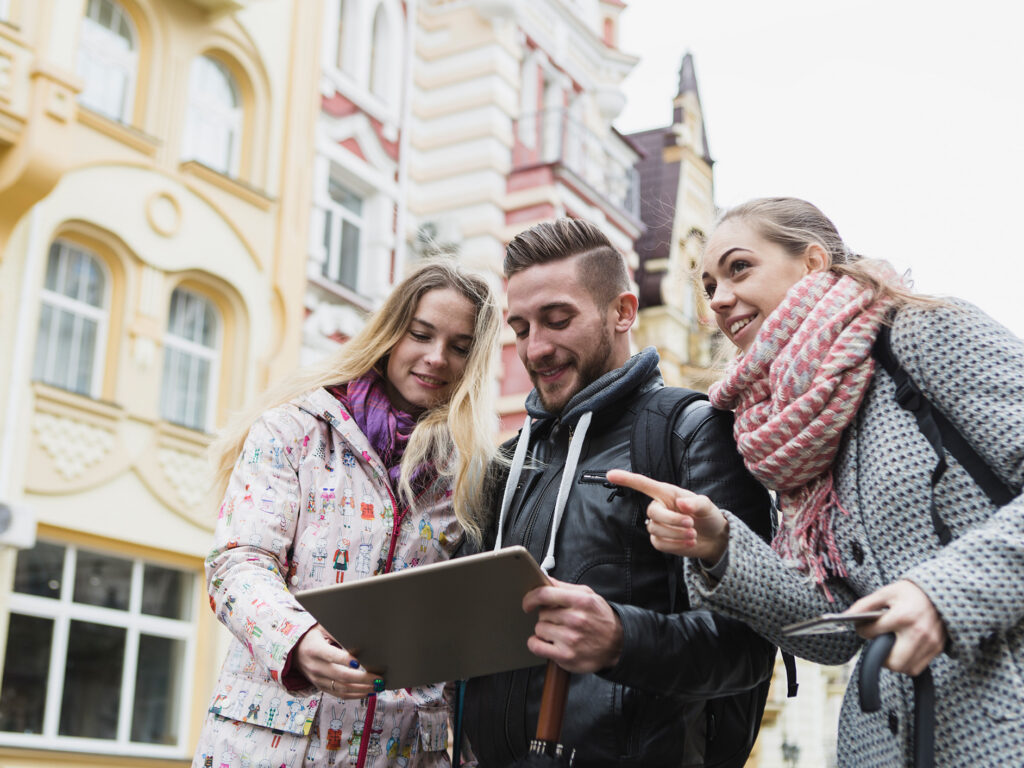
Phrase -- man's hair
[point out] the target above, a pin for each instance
(601, 269)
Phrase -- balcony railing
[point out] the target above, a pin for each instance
(604, 163)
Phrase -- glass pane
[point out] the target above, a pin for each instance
(207, 335)
(59, 372)
(39, 570)
(82, 374)
(53, 266)
(166, 592)
(342, 195)
(196, 416)
(39, 372)
(175, 392)
(92, 681)
(102, 580)
(349, 268)
(157, 690)
(26, 669)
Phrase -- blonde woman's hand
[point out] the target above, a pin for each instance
(679, 522)
(330, 667)
(911, 615)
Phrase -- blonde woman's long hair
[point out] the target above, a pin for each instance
(456, 437)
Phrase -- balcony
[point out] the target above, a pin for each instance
(601, 167)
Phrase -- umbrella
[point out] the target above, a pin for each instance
(876, 652)
(546, 750)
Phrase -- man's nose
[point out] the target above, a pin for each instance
(538, 346)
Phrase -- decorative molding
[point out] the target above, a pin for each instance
(240, 189)
(73, 445)
(184, 471)
(163, 212)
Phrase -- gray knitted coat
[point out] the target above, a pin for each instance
(973, 370)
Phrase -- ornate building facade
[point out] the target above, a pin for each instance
(154, 198)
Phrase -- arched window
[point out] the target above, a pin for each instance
(213, 124)
(108, 60)
(72, 320)
(190, 359)
(381, 59)
(339, 57)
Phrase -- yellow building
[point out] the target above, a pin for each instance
(155, 166)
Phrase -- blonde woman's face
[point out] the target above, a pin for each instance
(746, 277)
(427, 363)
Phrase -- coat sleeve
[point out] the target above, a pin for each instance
(700, 654)
(247, 569)
(972, 369)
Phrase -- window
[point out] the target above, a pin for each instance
(213, 123)
(72, 320)
(381, 60)
(190, 360)
(343, 223)
(107, 60)
(98, 648)
(339, 57)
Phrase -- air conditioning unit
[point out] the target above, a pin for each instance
(17, 526)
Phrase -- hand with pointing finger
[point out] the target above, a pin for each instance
(679, 522)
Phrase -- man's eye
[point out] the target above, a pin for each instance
(557, 324)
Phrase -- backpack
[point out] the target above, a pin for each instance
(940, 433)
(731, 722)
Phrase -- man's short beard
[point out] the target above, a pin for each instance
(590, 369)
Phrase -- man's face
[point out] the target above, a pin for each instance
(562, 337)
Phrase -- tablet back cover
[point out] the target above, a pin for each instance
(433, 623)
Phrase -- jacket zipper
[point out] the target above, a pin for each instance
(371, 704)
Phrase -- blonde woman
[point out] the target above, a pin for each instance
(865, 521)
(370, 462)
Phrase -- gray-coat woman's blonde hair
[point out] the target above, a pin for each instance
(456, 437)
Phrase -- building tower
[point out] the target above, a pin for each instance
(677, 207)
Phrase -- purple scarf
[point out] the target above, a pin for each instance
(386, 427)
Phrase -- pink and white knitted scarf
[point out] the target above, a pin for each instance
(794, 392)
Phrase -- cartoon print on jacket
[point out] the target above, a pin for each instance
(260, 558)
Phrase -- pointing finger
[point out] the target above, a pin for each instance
(664, 492)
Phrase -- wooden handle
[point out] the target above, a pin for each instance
(552, 703)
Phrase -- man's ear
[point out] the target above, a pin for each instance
(625, 308)
(816, 259)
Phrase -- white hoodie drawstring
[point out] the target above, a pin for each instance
(564, 486)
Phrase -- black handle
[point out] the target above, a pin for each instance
(875, 654)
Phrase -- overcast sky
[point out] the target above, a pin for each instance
(903, 120)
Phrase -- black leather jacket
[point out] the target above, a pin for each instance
(638, 712)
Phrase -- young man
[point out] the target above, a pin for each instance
(617, 615)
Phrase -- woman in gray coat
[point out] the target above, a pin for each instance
(818, 423)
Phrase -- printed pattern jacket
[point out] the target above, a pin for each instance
(972, 369)
(309, 504)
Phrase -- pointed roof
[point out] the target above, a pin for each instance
(688, 84)
(687, 77)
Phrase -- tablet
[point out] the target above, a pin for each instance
(433, 623)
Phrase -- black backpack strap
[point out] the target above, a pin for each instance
(651, 453)
(650, 443)
(940, 433)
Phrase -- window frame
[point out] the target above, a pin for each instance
(78, 308)
(109, 58)
(234, 118)
(330, 210)
(62, 611)
(189, 347)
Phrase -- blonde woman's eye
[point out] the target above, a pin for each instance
(738, 266)
(709, 290)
